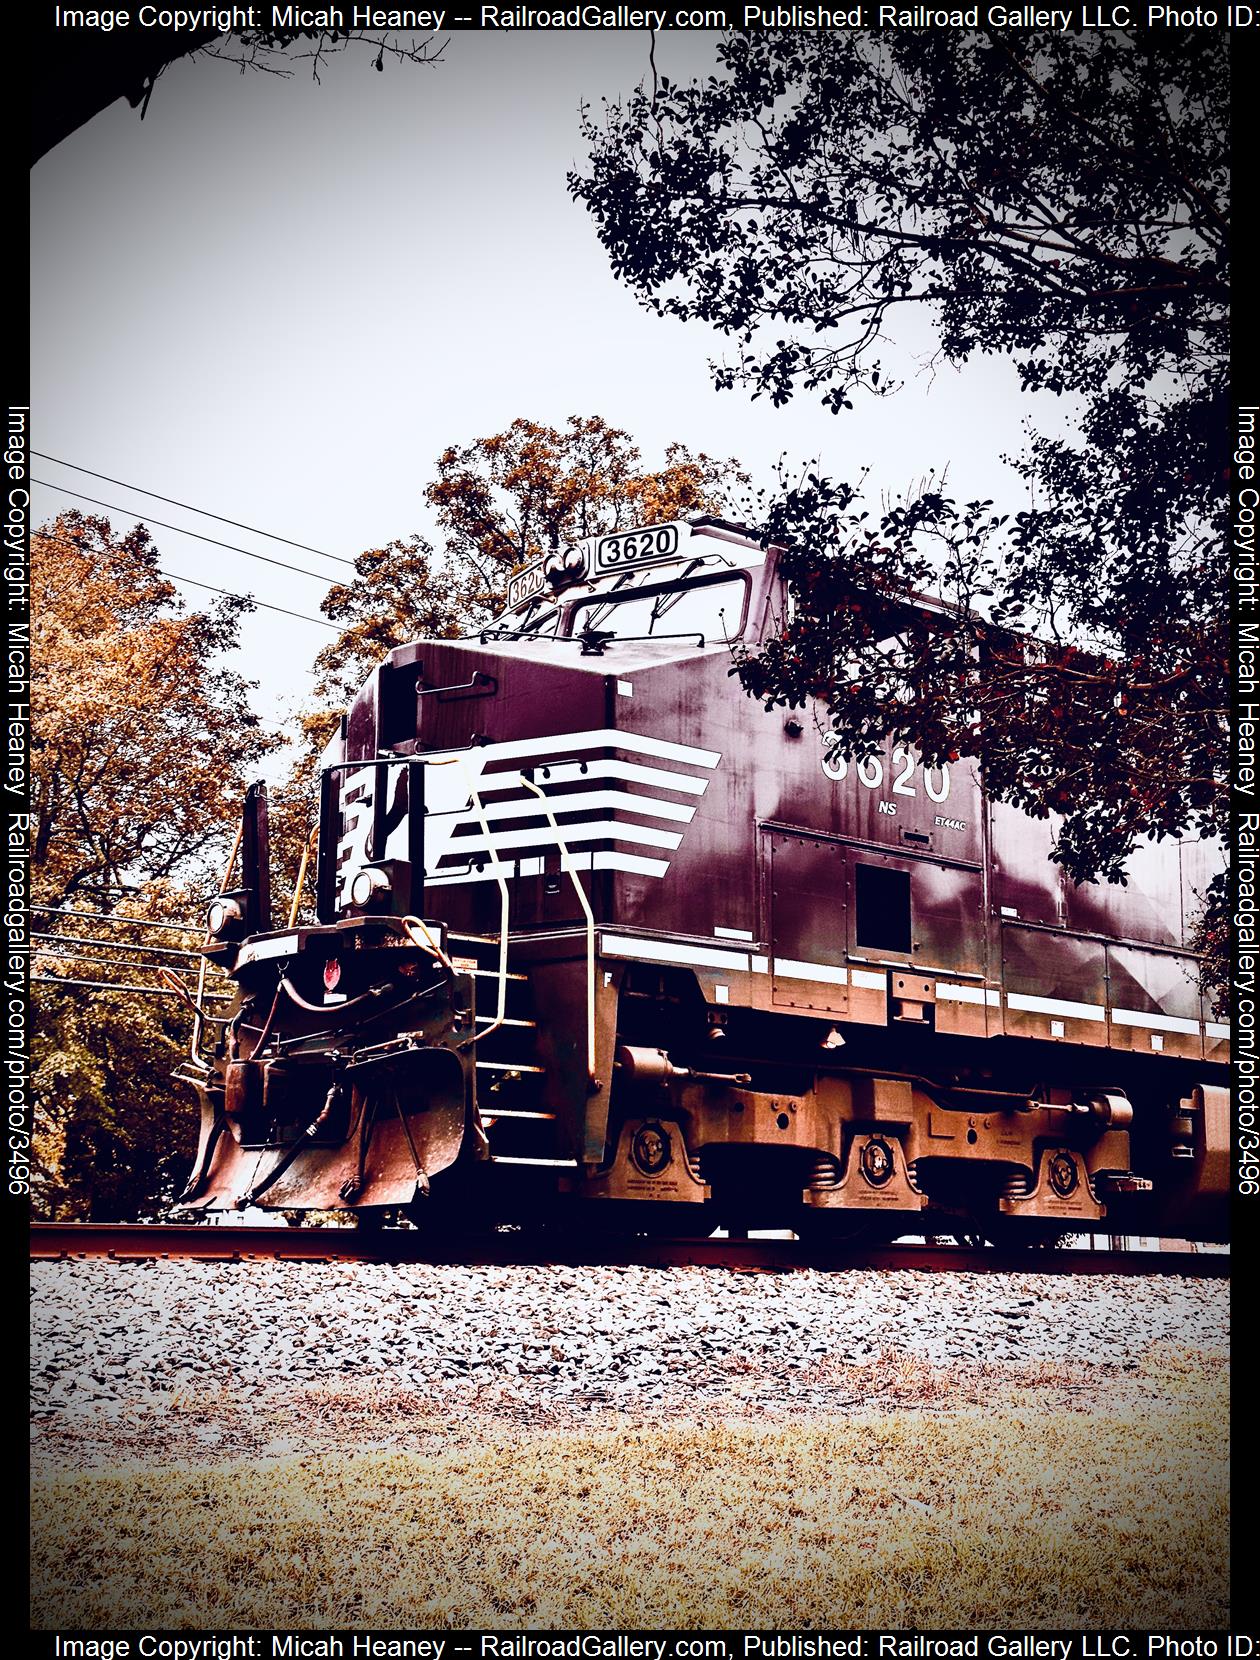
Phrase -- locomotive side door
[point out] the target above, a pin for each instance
(917, 940)
(845, 922)
(807, 921)
(911, 909)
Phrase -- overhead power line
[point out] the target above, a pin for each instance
(262, 604)
(117, 945)
(228, 593)
(131, 921)
(90, 959)
(180, 530)
(204, 511)
(114, 985)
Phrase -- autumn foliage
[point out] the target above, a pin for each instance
(143, 743)
(501, 501)
(531, 489)
(143, 737)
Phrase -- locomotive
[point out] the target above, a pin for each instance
(599, 937)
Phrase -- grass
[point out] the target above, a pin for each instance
(981, 1518)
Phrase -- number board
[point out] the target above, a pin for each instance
(525, 585)
(655, 546)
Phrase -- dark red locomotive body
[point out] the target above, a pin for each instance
(598, 931)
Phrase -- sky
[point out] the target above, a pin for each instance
(281, 300)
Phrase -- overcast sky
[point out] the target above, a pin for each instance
(281, 301)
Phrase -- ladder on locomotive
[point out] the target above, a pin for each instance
(509, 1073)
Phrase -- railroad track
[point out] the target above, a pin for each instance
(129, 1242)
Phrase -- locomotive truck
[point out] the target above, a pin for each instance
(597, 937)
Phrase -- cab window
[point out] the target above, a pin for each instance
(712, 609)
(541, 619)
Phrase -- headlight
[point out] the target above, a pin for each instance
(368, 885)
(222, 914)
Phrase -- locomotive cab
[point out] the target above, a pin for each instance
(599, 935)
(712, 589)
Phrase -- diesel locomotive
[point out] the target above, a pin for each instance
(600, 938)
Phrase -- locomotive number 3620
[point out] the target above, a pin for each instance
(904, 766)
(636, 547)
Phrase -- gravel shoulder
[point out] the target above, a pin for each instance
(190, 1363)
(361, 1445)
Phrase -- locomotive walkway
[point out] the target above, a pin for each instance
(155, 1240)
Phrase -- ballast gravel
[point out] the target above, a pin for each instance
(200, 1359)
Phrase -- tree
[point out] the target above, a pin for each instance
(143, 738)
(1055, 197)
(114, 1137)
(503, 501)
(399, 592)
(80, 73)
(1060, 199)
(143, 742)
(529, 490)
(1117, 729)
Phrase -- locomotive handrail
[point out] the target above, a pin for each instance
(170, 979)
(194, 1046)
(120, 985)
(567, 864)
(307, 846)
(110, 916)
(497, 866)
(458, 760)
(481, 685)
(916, 968)
(123, 945)
(416, 924)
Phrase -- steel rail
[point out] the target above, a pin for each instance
(127, 1242)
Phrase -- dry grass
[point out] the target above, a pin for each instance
(914, 1517)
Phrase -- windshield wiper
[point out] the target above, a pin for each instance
(671, 596)
(593, 643)
(598, 612)
(485, 634)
